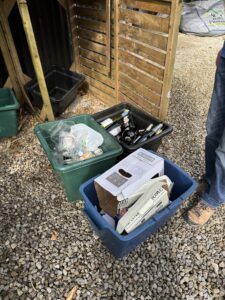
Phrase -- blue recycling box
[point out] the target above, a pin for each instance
(121, 245)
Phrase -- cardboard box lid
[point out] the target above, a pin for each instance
(129, 174)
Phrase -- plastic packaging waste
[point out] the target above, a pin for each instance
(75, 142)
(88, 138)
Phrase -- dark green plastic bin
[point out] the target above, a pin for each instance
(75, 174)
(8, 116)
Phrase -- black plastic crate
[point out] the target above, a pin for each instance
(62, 86)
(142, 120)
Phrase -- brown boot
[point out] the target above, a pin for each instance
(200, 214)
(202, 185)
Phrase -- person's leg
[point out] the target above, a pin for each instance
(214, 125)
(215, 121)
(214, 194)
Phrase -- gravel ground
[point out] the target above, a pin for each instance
(178, 262)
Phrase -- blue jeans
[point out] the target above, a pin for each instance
(214, 196)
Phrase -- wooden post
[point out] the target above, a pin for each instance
(108, 36)
(13, 72)
(74, 33)
(10, 66)
(11, 58)
(116, 46)
(47, 108)
(63, 3)
(8, 6)
(8, 83)
(176, 6)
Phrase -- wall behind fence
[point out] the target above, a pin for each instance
(51, 30)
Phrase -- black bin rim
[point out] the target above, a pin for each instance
(32, 84)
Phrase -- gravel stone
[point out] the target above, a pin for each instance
(13, 246)
(177, 262)
(215, 267)
(38, 265)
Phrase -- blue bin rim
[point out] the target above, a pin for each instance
(77, 165)
(13, 106)
(105, 226)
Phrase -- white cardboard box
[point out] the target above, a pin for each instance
(115, 186)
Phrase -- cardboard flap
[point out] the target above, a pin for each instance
(129, 174)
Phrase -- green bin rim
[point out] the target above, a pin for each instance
(67, 168)
(13, 106)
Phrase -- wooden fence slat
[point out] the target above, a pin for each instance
(152, 39)
(91, 24)
(142, 77)
(143, 50)
(91, 35)
(154, 6)
(96, 37)
(141, 64)
(137, 100)
(98, 58)
(101, 86)
(102, 96)
(139, 89)
(100, 4)
(123, 98)
(100, 77)
(144, 20)
(95, 66)
(92, 13)
(101, 49)
(92, 46)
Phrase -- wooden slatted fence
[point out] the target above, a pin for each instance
(141, 43)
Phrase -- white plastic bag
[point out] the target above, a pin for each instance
(204, 18)
(86, 137)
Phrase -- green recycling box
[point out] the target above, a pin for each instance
(8, 114)
(73, 175)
